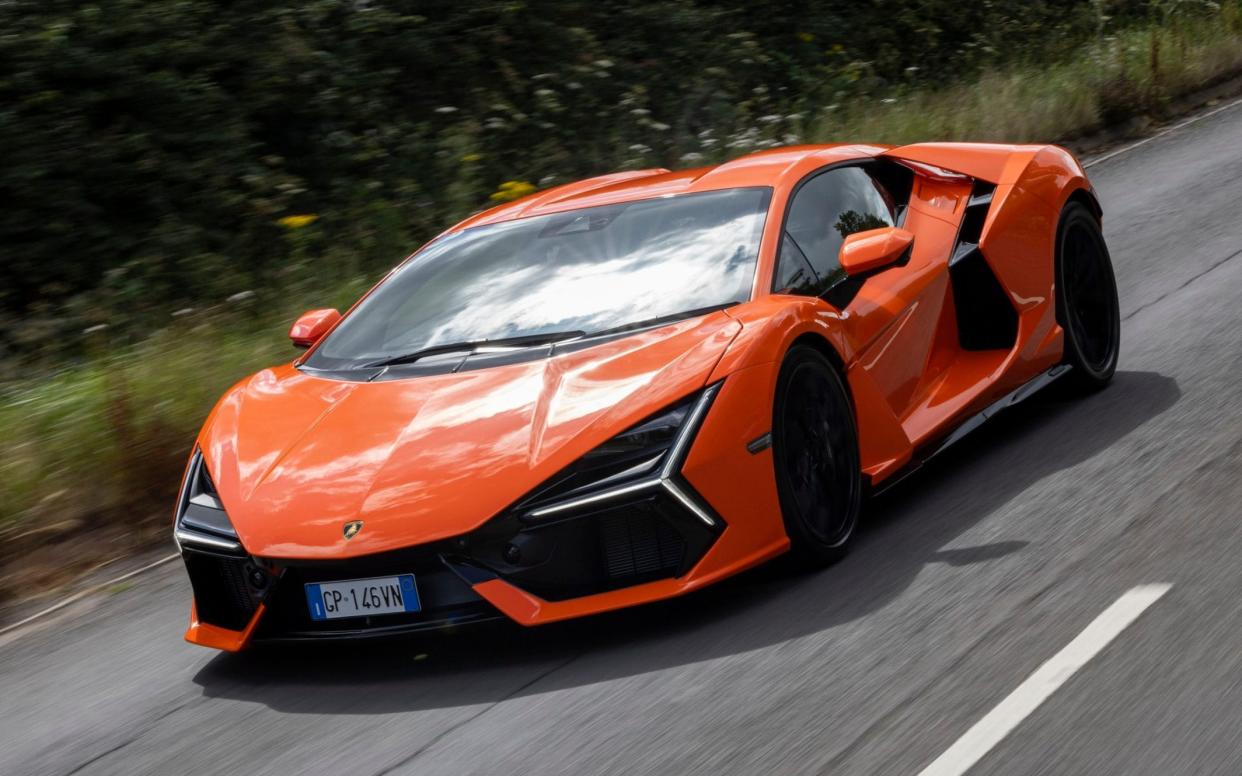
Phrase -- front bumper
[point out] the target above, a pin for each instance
(602, 557)
(240, 600)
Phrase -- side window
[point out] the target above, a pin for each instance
(793, 272)
(825, 210)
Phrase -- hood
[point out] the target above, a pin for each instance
(294, 456)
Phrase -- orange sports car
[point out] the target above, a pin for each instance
(626, 388)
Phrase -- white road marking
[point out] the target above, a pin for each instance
(78, 596)
(1160, 134)
(1001, 720)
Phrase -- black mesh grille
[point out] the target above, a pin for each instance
(222, 597)
(638, 544)
(644, 537)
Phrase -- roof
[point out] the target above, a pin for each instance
(764, 168)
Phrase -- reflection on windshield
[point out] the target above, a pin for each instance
(588, 270)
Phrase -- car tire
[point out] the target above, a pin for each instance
(815, 454)
(1086, 300)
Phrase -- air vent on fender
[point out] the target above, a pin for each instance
(972, 223)
(986, 319)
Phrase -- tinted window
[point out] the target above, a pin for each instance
(793, 270)
(825, 210)
(588, 270)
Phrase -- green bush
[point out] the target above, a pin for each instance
(152, 146)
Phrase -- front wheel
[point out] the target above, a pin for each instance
(1086, 299)
(815, 450)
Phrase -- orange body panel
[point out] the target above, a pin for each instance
(294, 456)
(206, 635)
(429, 458)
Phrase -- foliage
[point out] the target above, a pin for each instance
(156, 150)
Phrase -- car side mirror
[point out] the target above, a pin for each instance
(310, 327)
(874, 249)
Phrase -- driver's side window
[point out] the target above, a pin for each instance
(824, 211)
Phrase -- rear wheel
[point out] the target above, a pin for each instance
(1086, 299)
(815, 450)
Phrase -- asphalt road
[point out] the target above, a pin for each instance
(964, 581)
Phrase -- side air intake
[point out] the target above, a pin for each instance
(986, 320)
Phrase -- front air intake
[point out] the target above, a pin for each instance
(639, 545)
(223, 594)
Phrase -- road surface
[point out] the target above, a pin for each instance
(964, 582)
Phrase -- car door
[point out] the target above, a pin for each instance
(893, 313)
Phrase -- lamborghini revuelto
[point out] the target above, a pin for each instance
(626, 388)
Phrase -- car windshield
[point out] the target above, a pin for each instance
(558, 276)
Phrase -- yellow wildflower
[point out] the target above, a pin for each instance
(471, 158)
(805, 37)
(298, 221)
(511, 190)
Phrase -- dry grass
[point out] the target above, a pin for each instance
(108, 439)
(1114, 80)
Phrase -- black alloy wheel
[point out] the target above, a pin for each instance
(815, 452)
(1086, 299)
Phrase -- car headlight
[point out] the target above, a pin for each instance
(201, 519)
(620, 515)
(646, 456)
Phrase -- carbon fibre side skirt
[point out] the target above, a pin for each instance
(1017, 396)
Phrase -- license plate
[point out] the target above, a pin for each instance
(362, 597)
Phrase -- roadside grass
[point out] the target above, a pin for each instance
(106, 440)
(101, 444)
(1116, 79)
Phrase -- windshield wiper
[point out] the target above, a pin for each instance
(470, 347)
(473, 346)
(663, 320)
